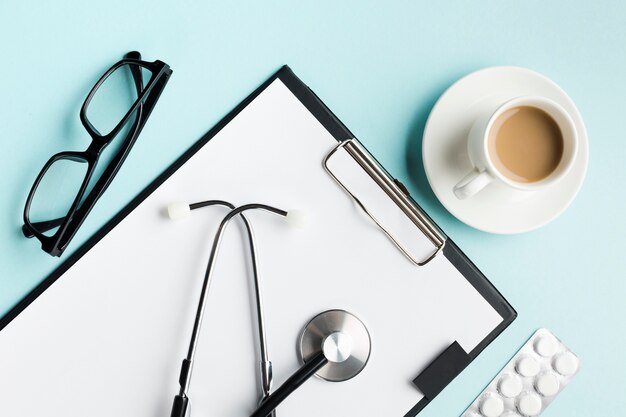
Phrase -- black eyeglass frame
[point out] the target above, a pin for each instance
(143, 106)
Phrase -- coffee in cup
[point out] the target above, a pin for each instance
(526, 143)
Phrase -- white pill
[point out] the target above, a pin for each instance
(547, 384)
(470, 414)
(546, 345)
(527, 366)
(510, 385)
(491, 406)
(566, 364)
(529, 404)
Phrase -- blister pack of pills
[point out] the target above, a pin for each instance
(530, 381)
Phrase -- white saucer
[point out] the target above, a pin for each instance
(495, 209)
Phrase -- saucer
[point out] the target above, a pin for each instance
(496, 208)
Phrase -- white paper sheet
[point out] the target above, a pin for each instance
(108, 337)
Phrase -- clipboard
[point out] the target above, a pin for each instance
(60, 314)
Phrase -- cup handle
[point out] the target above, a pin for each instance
(471, 184)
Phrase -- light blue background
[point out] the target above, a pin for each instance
(379, 66)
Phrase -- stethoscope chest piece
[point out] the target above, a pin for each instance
(343, 338)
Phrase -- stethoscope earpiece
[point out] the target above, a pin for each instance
(297, 219)
(178, 211)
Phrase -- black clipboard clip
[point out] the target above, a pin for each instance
(396, 191)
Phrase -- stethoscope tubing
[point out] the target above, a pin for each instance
(269, 401)
(268, 406)
(257, 283)
(181, 400)
(209, 274)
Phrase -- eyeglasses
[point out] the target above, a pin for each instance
(70, 183)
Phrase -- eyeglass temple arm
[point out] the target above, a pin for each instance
(136, 71)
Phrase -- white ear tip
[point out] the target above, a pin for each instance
(178, 211)
(297, 219)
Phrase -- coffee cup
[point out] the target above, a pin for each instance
(526, 143)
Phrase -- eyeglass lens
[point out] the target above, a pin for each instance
(56, 193)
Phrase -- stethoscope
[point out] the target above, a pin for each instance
(335, 345)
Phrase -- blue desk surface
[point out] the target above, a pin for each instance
(380, 68)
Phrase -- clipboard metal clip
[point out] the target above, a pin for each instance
(398, 194)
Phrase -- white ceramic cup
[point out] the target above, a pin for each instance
(485, 172)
